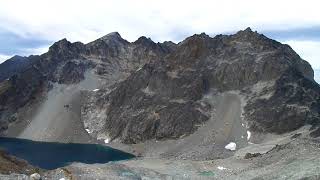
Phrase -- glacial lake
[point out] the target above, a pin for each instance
(50, 155)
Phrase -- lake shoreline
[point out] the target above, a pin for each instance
(52, 155)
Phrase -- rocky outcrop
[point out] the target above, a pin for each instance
(10, 164)
(290, 103)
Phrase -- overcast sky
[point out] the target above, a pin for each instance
(31, 26)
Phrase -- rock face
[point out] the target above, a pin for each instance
(156, 90)
(14, 65)
(163, 99)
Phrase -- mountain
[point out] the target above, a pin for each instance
(165, 100)
(156, 90)
(13, 66)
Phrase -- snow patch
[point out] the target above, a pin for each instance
(248, 135)
(231, 146)
(95, 90)
(106, 141)
(62, 179)
(88, 131)
(148, 91)
(221, 168)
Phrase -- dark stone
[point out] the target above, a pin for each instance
(295, 136)
(315, 133)
(251, 155)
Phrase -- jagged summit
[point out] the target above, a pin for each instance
(113, 38)
(144, 40)
(112, 35)
(248, 29)
(110, 41)
(63, 43)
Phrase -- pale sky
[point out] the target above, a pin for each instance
(31, 26)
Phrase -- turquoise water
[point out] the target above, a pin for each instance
(49, 155)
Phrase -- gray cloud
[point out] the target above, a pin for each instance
(302, 33)
(11, 43)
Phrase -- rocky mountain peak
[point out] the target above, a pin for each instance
(108, 45)
(195, 40)
(195, 37)
(144, 41)
(246, 32)
(113, 37)
(253, 37)
(170, 45)
(61, 44)
(64, 49)
(203, 35)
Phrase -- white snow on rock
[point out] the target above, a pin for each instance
(221, 168)
(103, 137)
(62, 179)
(248, 135)
(35, 176)
(88, 130)
(231, 146)
(95, 90)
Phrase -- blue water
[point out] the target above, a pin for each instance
(49, 155)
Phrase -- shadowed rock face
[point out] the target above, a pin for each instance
(155, 90)
(163, 99)
(14, 65)
(294, 102)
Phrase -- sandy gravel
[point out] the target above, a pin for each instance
(58, 119)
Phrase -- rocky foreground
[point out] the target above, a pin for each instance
(290, 156)
(177, 106)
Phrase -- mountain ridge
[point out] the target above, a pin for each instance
(162, 74)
